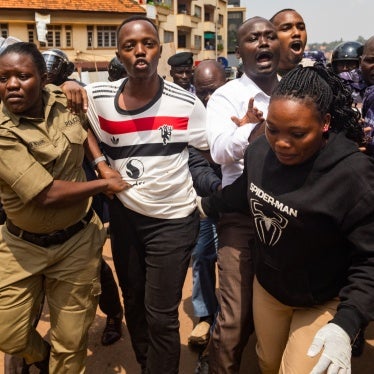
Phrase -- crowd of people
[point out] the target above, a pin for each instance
(246, 179)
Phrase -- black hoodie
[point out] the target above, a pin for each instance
(314, 226)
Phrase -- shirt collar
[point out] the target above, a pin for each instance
(249, 82)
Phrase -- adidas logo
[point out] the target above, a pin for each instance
(114, 140)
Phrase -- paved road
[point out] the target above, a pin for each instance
(120, 359)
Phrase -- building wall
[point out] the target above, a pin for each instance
(164, 13)
(180, 16)
(79, 51)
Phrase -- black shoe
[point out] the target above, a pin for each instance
(112, 331)
(358, 344)
(43, 366)
(25, 368)
(202, 366)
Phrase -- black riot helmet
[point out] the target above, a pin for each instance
(58, 66)
(346, 56)
(116, 70)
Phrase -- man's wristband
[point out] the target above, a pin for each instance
(97, 160)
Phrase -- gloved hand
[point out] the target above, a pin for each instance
(200, 208)
(336, 355)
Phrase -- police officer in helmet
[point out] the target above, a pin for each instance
(116, 70)
(58, 65)
(346, 56)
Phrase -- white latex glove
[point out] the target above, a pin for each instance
(200, 208)
(336, 355)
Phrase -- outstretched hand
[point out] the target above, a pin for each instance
(253, 115)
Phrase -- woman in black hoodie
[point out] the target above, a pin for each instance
(310, 192)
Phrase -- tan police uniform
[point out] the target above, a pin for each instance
(44, 246)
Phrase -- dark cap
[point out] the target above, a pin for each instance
(181, 59)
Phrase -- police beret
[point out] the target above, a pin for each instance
(181, 59)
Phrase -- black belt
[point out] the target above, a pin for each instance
(46, 240)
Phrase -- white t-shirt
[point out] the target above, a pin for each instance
(148, 146)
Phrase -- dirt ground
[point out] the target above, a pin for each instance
(119, 357)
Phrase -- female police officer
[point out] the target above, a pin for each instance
(51, 234)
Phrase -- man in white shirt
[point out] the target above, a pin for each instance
(228, 131)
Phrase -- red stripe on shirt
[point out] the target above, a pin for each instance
(142, 124)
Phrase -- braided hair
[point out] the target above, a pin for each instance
(318, 85)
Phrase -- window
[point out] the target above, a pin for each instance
(106, 36)
(90, 36)
(209, 40)
(182, 9)
(197, 11)
(68, 37)
(166, 3)
(235, 19)
(58, 36)
(168, 37)
(101, 36)
(54, 36)
(4, 30)
(31, 33)
(197, 41)
(208, 17)
(220, 19)
(182, 41)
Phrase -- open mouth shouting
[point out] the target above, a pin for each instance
(297, 46)
(264, 58)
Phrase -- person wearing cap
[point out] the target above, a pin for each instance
(182, 70)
